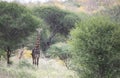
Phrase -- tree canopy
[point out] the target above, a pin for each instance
(58, 21)
(16, 23)
(95, 48)
(56, 18)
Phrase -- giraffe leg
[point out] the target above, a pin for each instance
(38, 56)
(33, 61)
(37, 61)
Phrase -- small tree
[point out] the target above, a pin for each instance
(96, 49)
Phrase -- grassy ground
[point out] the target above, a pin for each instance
(48, 68)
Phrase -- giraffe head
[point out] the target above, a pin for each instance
(39, 30)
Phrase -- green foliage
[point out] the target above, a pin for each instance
(59, 50)
(16, 23)
(96, 49)
(2, 53)
(51, 15)
(54, 17)
(30, 40)
(58, 22)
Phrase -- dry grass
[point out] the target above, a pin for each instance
(48, 68)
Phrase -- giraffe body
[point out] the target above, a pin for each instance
(35, 56)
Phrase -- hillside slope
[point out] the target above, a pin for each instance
(87, 6)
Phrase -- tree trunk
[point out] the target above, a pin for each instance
(8, 54)
(49, 41)
(102, 71)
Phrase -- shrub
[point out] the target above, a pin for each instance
(95, 44)
(61, 50)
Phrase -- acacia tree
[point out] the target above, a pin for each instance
(95, 43)
(16, 23)
(58, 21)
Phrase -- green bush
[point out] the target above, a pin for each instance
(96, 48)
(61, 50)
(58, 49)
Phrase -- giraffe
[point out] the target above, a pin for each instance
(36, 49)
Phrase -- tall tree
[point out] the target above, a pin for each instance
(16, 23)
(58, 21)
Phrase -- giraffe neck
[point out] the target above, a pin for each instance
(37, 45)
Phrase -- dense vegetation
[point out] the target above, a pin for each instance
(59, 22)
(86, 43)
(96, 48)
(16, 23)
